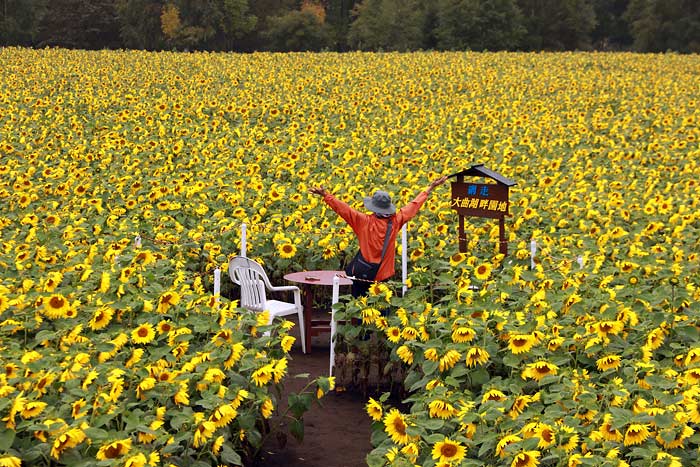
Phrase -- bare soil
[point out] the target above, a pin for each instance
(336, 433)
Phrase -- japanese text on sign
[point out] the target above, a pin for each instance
(479, 203)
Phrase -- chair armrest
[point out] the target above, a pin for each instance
(284, 288)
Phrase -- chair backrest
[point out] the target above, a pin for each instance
(252, 278)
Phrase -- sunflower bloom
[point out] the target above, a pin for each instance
(539, 370)
(395, 426)
(637, 433)
(267, 408)
(526, 459)
(678, 442)
(287, 342)
(56, 306)
(405, 354)
(441, 409)
(393, 334)
(607, 431)
(483, 271)
(493, 395)
(521, 343)
(463, 334)
(449, 360)
(143, 334)
(609, 362)
(10, 461)
(477, 356)
(67, 440)
(448, 450)
(374, 409)
(505, 442)
(138, 460)
(166, 301)
(114, 449)
(287, 250)
(101, 318)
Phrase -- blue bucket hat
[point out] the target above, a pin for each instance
(380, 203)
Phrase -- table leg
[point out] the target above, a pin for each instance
(308, 308)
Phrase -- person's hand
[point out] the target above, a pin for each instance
(436, 183)
(318, 190)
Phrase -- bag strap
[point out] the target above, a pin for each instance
(386, 241)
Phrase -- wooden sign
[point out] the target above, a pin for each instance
(481, 200)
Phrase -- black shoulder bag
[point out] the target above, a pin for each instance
(360, 268)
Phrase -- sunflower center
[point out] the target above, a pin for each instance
(399, 426)
(56, 302)
(448, 450)
(143, 332)
(111, 452)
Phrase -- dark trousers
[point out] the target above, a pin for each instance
(360, 288)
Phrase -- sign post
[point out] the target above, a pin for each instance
(481, 200)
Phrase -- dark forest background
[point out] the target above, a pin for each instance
(342, 25)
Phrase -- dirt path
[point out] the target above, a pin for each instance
(335, 435)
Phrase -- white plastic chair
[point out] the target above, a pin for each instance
(254, 283)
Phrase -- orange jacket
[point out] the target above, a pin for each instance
(371, 230)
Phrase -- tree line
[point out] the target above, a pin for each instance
(342, 25)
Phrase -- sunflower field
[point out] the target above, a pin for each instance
(126, 178)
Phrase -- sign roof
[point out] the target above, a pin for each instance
(479, 170)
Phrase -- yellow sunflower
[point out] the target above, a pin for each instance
(441, 409)
(609, 362)
(405, 354)
(504, 442)
(287, 250)
(526, 459)
(607, 431)
(483, 271)
(374, 409)
(167, 300)
(636, 433)
(448, 450)
(477, 356)
(539, 370)
(395, 424)
(114, 449)
(101, 318)
(393, 334)
(521, 343)
(143, 334)
(463, 334)
(56, 306)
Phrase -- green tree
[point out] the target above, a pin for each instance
(387, 25)
(19, 21)
(262, 10)
(612, 30)
(139, 23)
(660, 25)
(339, 17)
(558, 24)
(297, 31)
(212, 24)
(87, 24)
(479, 25)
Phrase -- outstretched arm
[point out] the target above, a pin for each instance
(436, 183)
(351, 216)
(411, 209)
(318, 190)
